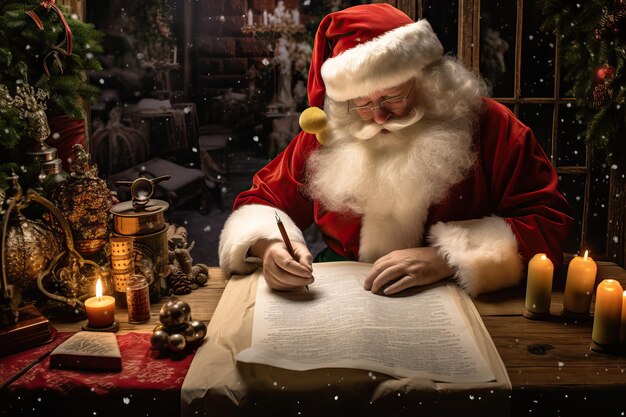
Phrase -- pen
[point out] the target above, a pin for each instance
(286, 240)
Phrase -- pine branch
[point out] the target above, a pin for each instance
(591, 40)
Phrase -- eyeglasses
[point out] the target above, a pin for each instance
(393, 104)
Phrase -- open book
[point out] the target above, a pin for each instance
(93, 351)
(427, 352)
(418, 333)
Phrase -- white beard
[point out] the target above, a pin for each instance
(390, 179)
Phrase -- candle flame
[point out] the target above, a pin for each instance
(99, 289)
(586, 255)
(543, 257)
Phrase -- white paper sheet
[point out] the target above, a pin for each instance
(340, 325)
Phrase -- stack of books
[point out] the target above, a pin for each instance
(32, 329)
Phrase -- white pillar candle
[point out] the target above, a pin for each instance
(250, 17)
(539, 284)
(607, 313)
(100, 309)
(581, 277)
(622, 333)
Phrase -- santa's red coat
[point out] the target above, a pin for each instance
(513, 183)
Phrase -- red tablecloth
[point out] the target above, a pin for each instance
(148, 385)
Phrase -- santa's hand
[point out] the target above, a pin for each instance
(407, 268)
(282, 272)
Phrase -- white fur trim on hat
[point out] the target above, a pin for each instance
(243, 228)
(383, 62)
(483, 251)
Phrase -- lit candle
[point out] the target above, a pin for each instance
(581, 277)
(250, 17)
(539, 284)
(622, 333)
(100, 309)
(265, 17)
(607, 313)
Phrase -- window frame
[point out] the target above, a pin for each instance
(468, 52)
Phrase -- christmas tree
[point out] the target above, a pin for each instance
(46, 47)
(593, 40)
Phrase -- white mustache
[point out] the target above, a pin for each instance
(367, 130)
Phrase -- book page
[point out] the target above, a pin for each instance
(97, 344)
(419, 333)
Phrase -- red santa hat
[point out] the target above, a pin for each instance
(368, 48)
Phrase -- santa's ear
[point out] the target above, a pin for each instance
(314, 121)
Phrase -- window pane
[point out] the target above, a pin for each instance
(538, 53)
(497, 45)
(598, 205)
(565, 87)
(539, 118)
(573, 187)
(443, 16)
(570, 136)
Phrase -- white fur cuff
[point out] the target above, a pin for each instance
(243, 228)
(483, 251)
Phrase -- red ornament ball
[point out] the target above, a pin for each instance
(604, 73)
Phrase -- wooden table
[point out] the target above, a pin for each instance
(552, 369)
(203, 302)
(550, 364)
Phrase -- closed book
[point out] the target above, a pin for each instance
(32, 329)
(89, 351)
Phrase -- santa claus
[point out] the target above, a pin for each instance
(418, 173)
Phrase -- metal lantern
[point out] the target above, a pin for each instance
(28, 245)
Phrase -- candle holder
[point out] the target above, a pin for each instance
(114, 327)
(572, 316)
(608, 349)
(530, 315)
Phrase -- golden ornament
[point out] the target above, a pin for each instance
(84, 200)
(29, 245)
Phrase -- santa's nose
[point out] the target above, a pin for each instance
(381, 115)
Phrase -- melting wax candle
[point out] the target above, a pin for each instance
(581, 278)
(100, 309)
(607, 313)
(622, 333)
(539, 284)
